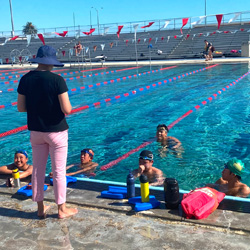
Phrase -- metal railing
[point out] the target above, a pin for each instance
(174, 23)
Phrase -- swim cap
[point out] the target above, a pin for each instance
(146, 155)
(236, 166)
(22, 151)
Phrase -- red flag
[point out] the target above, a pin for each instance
(162, 38)
(226, 31)
(200, 34)
(242, 29)
(14, 38)
(20, 58)
(187, 36)
(90, 32)
(41, 38)
(7, 60)
(62, 34)
(119, 30)
(34, 56)
(150, 39)
(139, 40)
(63, 52)
(219, 18)
(175, 37)
(184, 22)
(126, 42)
(149, 24)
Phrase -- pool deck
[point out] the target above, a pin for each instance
(143, 62)
(112, 224)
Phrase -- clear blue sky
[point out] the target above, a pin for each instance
(55, 13)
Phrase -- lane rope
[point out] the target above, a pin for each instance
(171, 125)
(91, 86)
(129, 94)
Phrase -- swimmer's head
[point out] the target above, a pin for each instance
(235, 166)
(161, 133)
(20, 158)
(88, 151)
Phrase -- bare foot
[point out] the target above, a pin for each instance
(43, 214)
(66, 212)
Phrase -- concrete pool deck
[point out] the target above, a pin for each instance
(113, 224)
(142, 62)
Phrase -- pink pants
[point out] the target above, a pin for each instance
(55, 144)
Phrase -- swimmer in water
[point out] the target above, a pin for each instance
(20, 162)
(86, 166)
(154, 175)
(230, 182)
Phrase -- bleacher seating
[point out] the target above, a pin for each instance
(170, 42)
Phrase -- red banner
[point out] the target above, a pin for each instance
(90, 32)
(119, 30)
(184, 22)
(219, 18)
(63, 52)
(14, 38)
(149, 24)
(62, 34)
(41, 38)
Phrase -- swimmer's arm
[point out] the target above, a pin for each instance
(92, 167)
(137, 172)
(7, 169)
(178, 143)
(221, 181)
(27, 172)
(21, 103)
(72, 165)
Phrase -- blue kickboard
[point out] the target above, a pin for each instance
(108, 194)
(141, 206)
(27, 191)
(119, 190)
(69, 179)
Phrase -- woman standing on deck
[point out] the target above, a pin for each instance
(43, 95)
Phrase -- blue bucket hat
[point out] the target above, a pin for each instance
(46, 55)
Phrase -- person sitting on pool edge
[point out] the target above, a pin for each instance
(20, 162)
(230, 182)
(166, 141)
(154, 175)
(86, 167)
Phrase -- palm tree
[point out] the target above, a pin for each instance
(29, 29)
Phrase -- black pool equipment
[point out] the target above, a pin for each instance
(171, 193)
(130, 185)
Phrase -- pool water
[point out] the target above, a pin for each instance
(210, 136)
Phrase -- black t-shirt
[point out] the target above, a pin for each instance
(41, 89)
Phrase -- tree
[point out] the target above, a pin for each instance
(29, 29)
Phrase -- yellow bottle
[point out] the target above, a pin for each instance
(144, 188)
(15, 175)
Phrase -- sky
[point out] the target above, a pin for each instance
(64, 13)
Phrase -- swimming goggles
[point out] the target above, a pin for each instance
(84, 151)
(22, 151)
(145, 158)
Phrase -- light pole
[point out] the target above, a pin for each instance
(97, 13)
(12, 23)
(90, 18)
(205, 12)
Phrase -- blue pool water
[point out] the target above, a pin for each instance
(210, 136)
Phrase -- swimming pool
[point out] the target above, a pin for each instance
(210, 136)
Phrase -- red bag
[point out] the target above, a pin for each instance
(201, 202)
